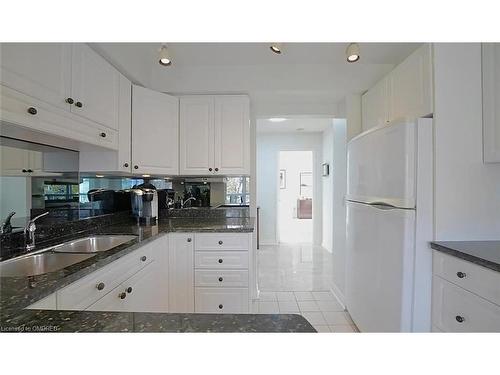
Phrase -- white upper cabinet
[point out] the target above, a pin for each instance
(405, 93)
(63, 90)
(40, 70)
(95, 87)
(232, 135)
(411, 89)
(375, 105)
(214, 135)
(491, 102)
(155, 127)
(197, 135)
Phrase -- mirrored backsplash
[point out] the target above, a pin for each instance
(36, 178)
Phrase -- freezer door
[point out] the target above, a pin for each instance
(381, 165)
(380, 258)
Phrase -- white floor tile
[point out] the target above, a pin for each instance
(267, 296)
(288, 307)
(285, 296)
(334, 318)
(304, 296)
(341, 328)
(329, 306)
(308, 306)
(269, 307)
(314, 317)
(323, 296)
(322, 328)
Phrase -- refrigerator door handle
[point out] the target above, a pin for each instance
(383, 206)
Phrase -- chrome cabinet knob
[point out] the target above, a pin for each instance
(32, 111)
(461, 275)
(220, 242)
(100, 286)
(220, 279)
(210, 169)
(103, 135)
(459, 319)
(69, 100)
(79, 104)
(221, 306)
(129, 289)
(25, 171)
(136, 167)
(189, 239)
(122, 295)
(143, 258)
(220, 261)
(125, 165)
(217, 169)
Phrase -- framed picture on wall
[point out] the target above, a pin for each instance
(282, 178)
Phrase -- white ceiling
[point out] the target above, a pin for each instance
(291, 125)
(306, 79)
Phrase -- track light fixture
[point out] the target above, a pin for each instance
(352, 52)
(164, 56)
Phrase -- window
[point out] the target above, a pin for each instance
(237, 190)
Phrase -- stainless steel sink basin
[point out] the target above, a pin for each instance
(38, 264)
(93, 244)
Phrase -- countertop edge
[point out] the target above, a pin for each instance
(464, 256)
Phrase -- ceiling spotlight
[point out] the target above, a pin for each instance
(276, 48)
(99, 175)
(146, 175)
(352, 52)
(277, 119)
(164, 57)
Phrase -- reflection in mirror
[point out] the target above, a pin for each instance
(36, 178)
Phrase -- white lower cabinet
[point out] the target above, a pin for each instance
(221, 300)
(167, 275)
(181, 272)
(464, 296)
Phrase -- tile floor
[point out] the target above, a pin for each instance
(296, 279)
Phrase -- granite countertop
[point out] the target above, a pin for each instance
(95, 321)
(16, 293)
(483, 253)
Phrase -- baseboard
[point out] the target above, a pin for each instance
(338, 294)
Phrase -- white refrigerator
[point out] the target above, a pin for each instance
(389, 226)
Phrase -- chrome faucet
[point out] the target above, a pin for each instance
(170, 202)
(29, 232)
(187, 200)
(6, 225)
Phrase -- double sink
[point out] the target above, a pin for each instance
(60, 256)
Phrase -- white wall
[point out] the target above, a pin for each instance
(467, 192)
(339, 172)
(327, 189)
(268, 147)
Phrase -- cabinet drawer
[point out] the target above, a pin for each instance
(221, 241)
(84, 292)
(470, 276)
(221, 300)
(218, 278)
(221, 259)
(457, 310)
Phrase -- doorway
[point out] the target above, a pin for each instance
(295, 197)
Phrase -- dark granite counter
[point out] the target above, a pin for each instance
(16, 293)
(86, 321)
(483, 253)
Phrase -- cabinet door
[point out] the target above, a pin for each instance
(181, 273)
(95, 84)
(411, 86)
(14, 160)
(232, 135)
(40, 70)
(491, 102)
(374, 106)
(197, 135)
(155, 124)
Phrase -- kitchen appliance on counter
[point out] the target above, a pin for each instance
(389, 227)
(144, 200)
